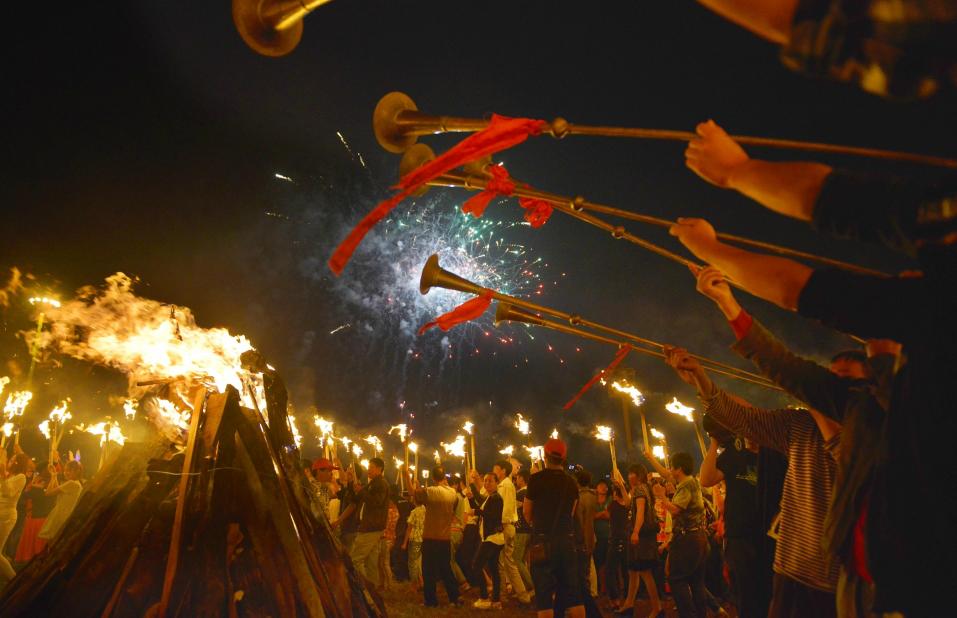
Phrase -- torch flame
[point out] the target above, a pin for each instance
(658, 451)
(45, 429)
(467, 427)
(7, 429)
(43, 300)
(374, 442)
(656, 433)
(4, 380)
(536, 452)
(398, 461)
(345, 442)
(603, 432)
(456, 448)
(17, 403)
(624, 387)
(296, 436)
(107, 430)
(508, 450)
(356, 450)
(676, 407)
(413, 447)
(437, 457)
(364, 463)
(554, 435)
(402, 430)
(522, 425)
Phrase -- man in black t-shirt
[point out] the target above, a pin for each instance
(550, 506)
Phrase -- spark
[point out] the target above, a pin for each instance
(283, 177)
(339, 328)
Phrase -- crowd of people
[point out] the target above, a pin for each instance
(35, 503)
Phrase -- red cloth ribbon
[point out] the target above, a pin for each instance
(622, 353)
(500, 134)
(537, 211)
(466, 312)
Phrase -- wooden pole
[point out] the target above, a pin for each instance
(644, 429)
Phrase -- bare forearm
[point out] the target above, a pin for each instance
(790, 189)
(710, 475)
(775, 279)
(769, 19)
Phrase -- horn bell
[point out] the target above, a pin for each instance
(434, 276)
(414, 158)
(256, 21)
(507, 312)
(388, 132)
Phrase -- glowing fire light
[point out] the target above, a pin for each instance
(603, 432)
(108, 431)
(656, 433)
(437, 456)
(398, 462)
(325, 431)
(401, 430)
(676, 407)
(522, 425)
(456, 448)
(364, 463)
(7, 429)
(375, 443)
(554, 434)
(356, 450)
(17, 403)
(129, 408)
(624, 387)
(168, 415)
(345, 442)
(658, 451)
(4, 380)
(413, 447)
(43, 300)
(467, 427)
(45, 429)
(536, 452)
(296, 436)
(508, 450)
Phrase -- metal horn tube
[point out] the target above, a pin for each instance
(433, 275)
(272, 27)
(398, 124)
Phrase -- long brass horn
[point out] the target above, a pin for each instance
(433, 275)
(474, 179)
(505, 312)
(272, 27)
(398, 124)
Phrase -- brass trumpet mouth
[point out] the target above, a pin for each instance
(272, 27)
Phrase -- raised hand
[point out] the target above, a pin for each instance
(696, 234)
(686, 366)
(713, 155)
(712, 284)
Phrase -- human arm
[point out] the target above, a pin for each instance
(660, 469)
(710, 475)
(769, 19)
(787, 188)
(765, 427)
(527, 509)
(346, 514)
(639, 518)
(775, 279)
(666, 503)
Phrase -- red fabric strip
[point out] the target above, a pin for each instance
(466, 312)
(499, 184)
(622, 353)
(500, 134)
(537, 212)
(741, 325)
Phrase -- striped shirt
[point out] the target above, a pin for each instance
(808, 483)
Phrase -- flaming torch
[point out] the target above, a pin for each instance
(604, 433)
(402, 431)
(109, 431)
(16, 403)
(53, 427)
(468, 427)
(456, 448)
(415, 454)
(326, 437)
(536, 452)
(4, 380)
(637, 399)
(508, 450)
(554, 434)
(676, 407)
(294, 429)
(660, 450)
(129, 409)
(375, 443)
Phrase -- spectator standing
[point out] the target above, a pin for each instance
(373, 500)
(12, 481)
(550, 506)
(493, 540)
(506, 489)
(67, 494)
(413, 545)
(523, 530)
(439, 501)
(38, 508)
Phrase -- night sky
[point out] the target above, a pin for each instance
(145, 138)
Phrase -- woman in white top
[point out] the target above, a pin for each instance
(12, 480)
(67, 493)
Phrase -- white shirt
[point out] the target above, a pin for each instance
(65, 501)
(10, 489)
(507, 490)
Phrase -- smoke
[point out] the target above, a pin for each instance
(12, 287)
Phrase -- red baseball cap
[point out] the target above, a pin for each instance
(556, 448)
(323, 464)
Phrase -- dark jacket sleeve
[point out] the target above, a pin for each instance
(803, 379)
(768, 428)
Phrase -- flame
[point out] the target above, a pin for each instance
(107, 430)
(364, 463)
(603, 432)
(656, 433)
(356, 450)
(554, 435)
(45, 429)
(658, 451)
(413, 447)
(456, 448)
(129, 408)
(17, 403)
(467, 427)
(296, 436)
(61, 412)
(172, 422)
(398, 461)
(325, 428)
(374, 442)
(437, 457)
(43, 300)
(508, 450)
(402, 430)
(4, 380)
(7, 429)
(345, 442)
(522, 425)
(676, 407)
(624, 387)
(536, 452)
(147, 340)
